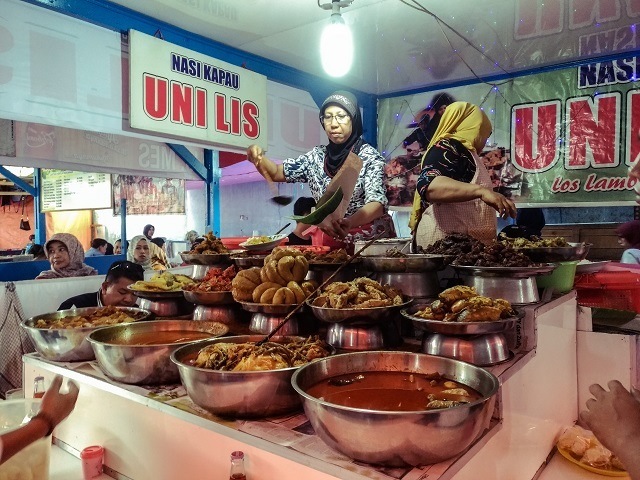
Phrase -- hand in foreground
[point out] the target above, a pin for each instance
(57, 406)
(255, 153)
(614, 418)
(337, 229)
(505, 207)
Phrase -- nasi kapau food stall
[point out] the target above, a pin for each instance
(241, 382)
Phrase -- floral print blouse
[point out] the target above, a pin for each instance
(309, 168)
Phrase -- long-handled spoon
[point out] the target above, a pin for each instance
(276, 198)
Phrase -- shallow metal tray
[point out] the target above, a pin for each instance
(332, 265)
(156, 295)
(208, 298)
(458, 328)
(575, 251)
(412, 263)
(509, 272)
(360, 315)
(250, 261)
(205, 259)
(267, 308)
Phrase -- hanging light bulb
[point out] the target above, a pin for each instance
(336, 42)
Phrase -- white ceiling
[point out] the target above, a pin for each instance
(399, 46)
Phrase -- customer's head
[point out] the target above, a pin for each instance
(159, 241)
(138, 251)
(428, 119)
(148, 231)
(99, 244)
(191, 236)
(629, 234)
(120, 275)
(37, 251)
(303, 206)
(64, 251)
(117, 247)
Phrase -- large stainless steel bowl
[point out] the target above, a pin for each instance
(208, 298)
(458, 328)
(380, 247)
(397, 438)
(69, 344)
(206, 258)
(237, 394)
(573, 251)
(363, 315)
(144, 364)
(412, 263)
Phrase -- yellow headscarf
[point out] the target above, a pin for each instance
(463, 122)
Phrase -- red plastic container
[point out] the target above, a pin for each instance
(618, 290)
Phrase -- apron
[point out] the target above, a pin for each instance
(473, 217)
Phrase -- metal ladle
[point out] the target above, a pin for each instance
(277, 199)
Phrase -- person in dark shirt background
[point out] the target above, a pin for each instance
(113, 290)
(428, 119)
(303, 206)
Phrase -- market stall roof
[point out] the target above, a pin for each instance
(406, 45)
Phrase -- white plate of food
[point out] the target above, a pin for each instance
(263, 242)
(585, 266)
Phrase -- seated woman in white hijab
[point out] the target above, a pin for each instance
(146, 254)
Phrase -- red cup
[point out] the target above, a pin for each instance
(92, 461)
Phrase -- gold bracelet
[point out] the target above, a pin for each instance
(46, 419)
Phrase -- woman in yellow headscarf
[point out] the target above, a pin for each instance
(454, 192)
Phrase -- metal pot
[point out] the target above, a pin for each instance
(379, 247)
(237, 394)
(69, 344)
(481, 350)
(397, 438)
(144, 364)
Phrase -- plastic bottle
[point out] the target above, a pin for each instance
(38, 387)
(237, 466)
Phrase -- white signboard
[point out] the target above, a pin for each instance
(183, 93)
(66, 190)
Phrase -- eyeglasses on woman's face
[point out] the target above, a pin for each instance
(341, 118)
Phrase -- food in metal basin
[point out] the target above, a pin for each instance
(336, 256)
(533, 242)
(104, 316)
(359, 293)
(162, 282)
(470, 251)
(463, 304)
(248, 356)
(393, 391)
(215, 280)
(159, 338)
(210, 245)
